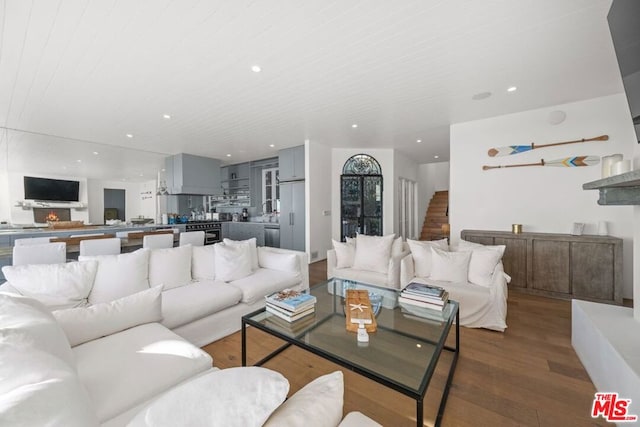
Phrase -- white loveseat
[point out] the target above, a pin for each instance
(206, 290)
(141, 376)
(473, 275)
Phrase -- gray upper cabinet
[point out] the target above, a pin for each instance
(291, 163)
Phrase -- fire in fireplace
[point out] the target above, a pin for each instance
(42, 215)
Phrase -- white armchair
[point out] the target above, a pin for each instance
(389, 279)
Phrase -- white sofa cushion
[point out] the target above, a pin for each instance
(373, 253)
(449, 266)
(228, 397)
(345, 253)
(39, 389)
(278, 261)
(358, 419)
(203, 263)
(126, 369)
(397, 247)
(465, 245)
(363, 276)
(84, 324)
(317, 404)
(233, 261)
(192, 302)
(119, 275)
(28, 323)
(421, 253)
(170, 267)
(55, 285)
(264, 282)
(251, 246)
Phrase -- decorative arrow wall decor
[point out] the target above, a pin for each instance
(568, 162)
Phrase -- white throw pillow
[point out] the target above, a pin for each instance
(233, 262)
(203, 263)
(39, 389)
(373, 253)
(170, 267)
(482, 265)
(317, 404)
(55, 285)
(84, 324)
(252, 248)
(119, 275)
(464, 245)
(421, 253)
(396, 247)
(450, 266)
(278, 261)
(228, 397)
(26, 322)
(345, 253)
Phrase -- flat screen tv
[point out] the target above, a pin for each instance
(623, 19)
(58, 190)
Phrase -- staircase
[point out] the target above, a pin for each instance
(437, 214)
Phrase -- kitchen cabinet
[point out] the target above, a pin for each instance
(235, 185)
(292, 215)
(559, 265)
(291, 163)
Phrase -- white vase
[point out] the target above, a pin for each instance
(607, 162)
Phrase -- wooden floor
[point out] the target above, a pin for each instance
(527, 376)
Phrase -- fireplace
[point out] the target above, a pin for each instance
(42, 215)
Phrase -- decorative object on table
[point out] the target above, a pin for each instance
(620, 167)
(358, 311)
(578, 228)
(423, 295)
(569, 162)
(363, 335)
(516, 228)
(516, 149)
(607, 162)
(290, 305)
(603, 228)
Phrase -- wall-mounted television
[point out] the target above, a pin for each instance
(625, 33)
(58, 190)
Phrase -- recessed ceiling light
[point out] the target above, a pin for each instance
(436, 157)
(355, 125)
(163, 170)
(64, 168)
(79, 161)
(512, 89)
(419, 141)
(272, 145)
(141, 174)
(480, 96)
(124, 179)
(256, 69)
(95, 153)
(228, 155)
(129, 135)
(166, 116)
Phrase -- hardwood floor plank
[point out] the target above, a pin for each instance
(528, 376)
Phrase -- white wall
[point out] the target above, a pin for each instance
(5, 200)
(432, 177)
(385, 158)
(542, 199)
(25, 216)
(318, 200)
(403, 167)
(140, 199)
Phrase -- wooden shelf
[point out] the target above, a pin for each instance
(623, 189)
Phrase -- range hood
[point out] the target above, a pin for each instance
(192, 175)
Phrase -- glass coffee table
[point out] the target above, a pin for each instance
(402, 354)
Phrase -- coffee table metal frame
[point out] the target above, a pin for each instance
(418, 395)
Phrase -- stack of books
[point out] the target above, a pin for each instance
(423, 295)
(290, 305)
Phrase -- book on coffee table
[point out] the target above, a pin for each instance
(293, 301)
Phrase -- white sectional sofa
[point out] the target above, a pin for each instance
(206, 290)
(90, 345)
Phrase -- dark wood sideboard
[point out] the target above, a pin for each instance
(559, 265)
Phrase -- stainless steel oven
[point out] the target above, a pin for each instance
(212, 230)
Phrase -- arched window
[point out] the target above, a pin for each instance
(361, 197)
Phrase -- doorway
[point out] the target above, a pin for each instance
(361, 197)
(114, 204)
